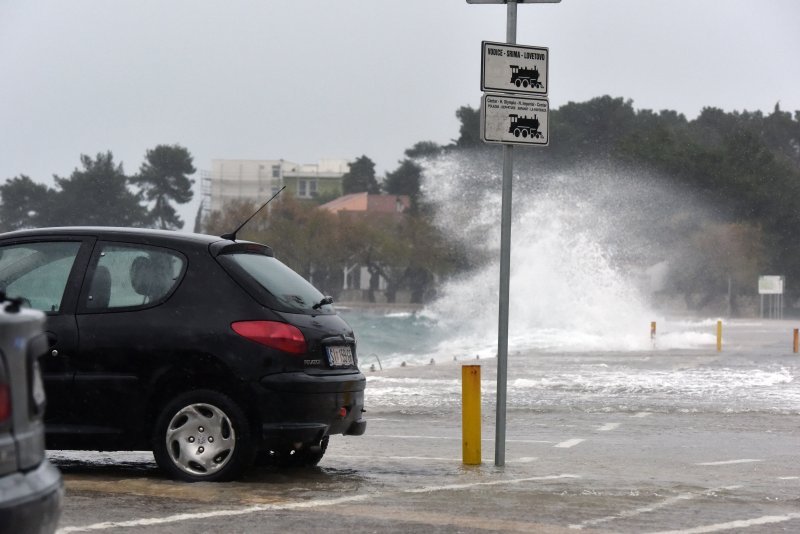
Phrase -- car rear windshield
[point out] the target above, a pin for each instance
(286, 290)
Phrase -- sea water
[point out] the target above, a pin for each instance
(580, 305)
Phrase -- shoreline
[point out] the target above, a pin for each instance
(378, 306)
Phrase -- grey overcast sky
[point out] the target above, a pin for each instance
(312, 79)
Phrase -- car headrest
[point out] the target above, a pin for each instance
(147, 278)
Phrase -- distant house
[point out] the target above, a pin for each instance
(257, 180)
(368, 203)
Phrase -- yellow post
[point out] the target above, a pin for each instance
(471, 414)
(652, 329)
(719, 336)
(796, 339)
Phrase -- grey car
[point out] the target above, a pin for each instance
(30, 487)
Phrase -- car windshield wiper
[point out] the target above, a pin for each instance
(323, 302)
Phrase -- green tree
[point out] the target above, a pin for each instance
(233, 213)
(590, 129)
(716, 257)
(406, 251)
(304, 237)
(783, 133)
(424, 149)
(26, 204)
(405, 180)
(198, 219)
(164, 178)
(470, 129)
(360, 177)
(97, 195)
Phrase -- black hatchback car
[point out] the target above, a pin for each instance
(205, 350)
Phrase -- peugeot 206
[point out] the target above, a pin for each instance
(206, 350)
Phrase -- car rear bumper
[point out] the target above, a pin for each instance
(31, 501)
(303, 408)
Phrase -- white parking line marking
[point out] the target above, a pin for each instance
(522, 460)
(788, 478)
(295, 505)
(378, 457)
(647, 509)
(569, 443)
(218, 513)
(430, 489)
(744, 523)
(406, 436)
(730, 462)
(398, 436)
(608, 426)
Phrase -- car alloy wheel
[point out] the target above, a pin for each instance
(202, 436)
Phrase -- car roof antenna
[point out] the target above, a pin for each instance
(232, 235)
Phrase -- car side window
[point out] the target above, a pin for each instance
(132, 275)
(37, 272)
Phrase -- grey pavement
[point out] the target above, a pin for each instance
(593, 465)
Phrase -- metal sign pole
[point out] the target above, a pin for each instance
(505, 274)
(511, 118)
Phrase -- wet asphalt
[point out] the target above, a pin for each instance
(642, 467)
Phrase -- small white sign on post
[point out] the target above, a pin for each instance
(770, 285)
(514, 68)
(515, 120)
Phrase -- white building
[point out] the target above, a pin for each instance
(257, 180)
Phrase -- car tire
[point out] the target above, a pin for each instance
(203, 436)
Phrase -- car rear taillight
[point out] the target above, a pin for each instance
(280, 336)
(5, 402)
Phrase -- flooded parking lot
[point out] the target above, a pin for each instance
(641, 441)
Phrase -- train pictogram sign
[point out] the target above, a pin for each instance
(514, 119)
(507, 68)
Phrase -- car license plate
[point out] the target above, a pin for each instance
(340, 356)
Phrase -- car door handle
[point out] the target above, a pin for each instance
(52, 339)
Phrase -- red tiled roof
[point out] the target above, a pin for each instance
(366, 202)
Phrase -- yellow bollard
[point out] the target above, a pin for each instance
(652, 329)
(471, 414)
(796, 340)
(719, 336)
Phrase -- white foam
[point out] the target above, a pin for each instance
(399, 315)
(692, 382)
(611, 388)
(569, 291)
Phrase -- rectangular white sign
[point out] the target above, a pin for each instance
(516, 120)
(770, 285)
(514, 68)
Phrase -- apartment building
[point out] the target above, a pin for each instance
(257, 180)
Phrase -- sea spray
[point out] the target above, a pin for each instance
(584, 244)
(579, 253)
